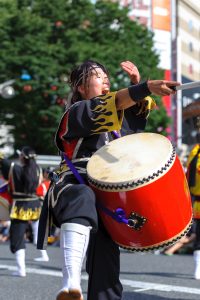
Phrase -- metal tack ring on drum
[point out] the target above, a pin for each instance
(136, 221)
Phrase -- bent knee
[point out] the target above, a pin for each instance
(85, 192)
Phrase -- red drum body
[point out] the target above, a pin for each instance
(142, 192)
(5, 202)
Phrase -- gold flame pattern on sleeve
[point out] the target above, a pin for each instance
(106, 118)
(145, 106)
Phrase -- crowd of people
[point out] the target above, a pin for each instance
(94, 117)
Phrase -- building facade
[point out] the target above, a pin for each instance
(188, 58)
(176, 27)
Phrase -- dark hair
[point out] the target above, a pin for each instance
(80, 75)
(31, 170)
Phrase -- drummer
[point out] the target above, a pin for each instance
(93, 119)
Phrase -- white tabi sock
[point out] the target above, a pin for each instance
(44, 256)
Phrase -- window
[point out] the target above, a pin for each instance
(190, 69)
(190, 25)
(190, 46)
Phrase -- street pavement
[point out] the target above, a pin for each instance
(144, 276)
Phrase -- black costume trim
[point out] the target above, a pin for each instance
(139, 91)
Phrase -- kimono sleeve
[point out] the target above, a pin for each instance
(136, 116)
(88, 117)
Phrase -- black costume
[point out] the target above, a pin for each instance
(25, 207)
(84, 128)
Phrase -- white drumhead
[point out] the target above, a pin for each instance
(130, 158)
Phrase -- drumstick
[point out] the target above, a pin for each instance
(186, 86)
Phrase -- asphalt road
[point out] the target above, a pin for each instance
(144, 276)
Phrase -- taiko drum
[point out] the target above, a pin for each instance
(142, 192)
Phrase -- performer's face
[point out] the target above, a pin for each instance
(97, 84)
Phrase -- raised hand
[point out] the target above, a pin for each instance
(131, 70)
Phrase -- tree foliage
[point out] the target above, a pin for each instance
(42, 40)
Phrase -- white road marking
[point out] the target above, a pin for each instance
(138, 285)
(159, 287)
(33, 271)
(141, 290)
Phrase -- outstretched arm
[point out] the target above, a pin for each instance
(128, 97)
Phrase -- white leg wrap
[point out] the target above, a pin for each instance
(196, 255)
(44, 256)
(34, 225)
(20, 259)
(74, 239)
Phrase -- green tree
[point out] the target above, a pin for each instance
(42, 40)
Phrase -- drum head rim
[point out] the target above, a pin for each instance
(130, 185)
(96, 179)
